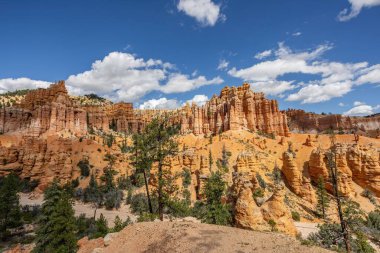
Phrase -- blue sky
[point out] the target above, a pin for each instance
(320, 56)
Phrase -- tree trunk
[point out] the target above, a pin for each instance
(343, 223)
(160, 200)
(147, 192)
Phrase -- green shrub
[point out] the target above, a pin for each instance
(272, 225)
(296, 216)
(186, 177)
(261, 181)
(144, 217)
(84, 167)
(139, 203)
(369, 195)
(178, 208)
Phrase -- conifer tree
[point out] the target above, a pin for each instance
(216, 211)
(142, 160)
(10, 215)
(56, 227)
(160, 134)
(101, 227)
(323, 200)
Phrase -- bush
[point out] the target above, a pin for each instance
(373, 220)
(179, 208)
(139, 203)
(329, 236)
(84, 167)
(261, 181)
(272, 225)
(144, 217)
(369, 195)
(186, 177)
(138, 180)
(296, 216)
(113, 198)
(28, 185)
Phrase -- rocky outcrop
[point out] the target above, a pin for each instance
(298, 184)
(355, 163)
(301, 121)
(44, 110)
(40, 159)
(274, 209)
(364, 164)
(235, 109)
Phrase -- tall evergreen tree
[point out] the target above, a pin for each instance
(216, 211)
(10, 215)
(323, 200)
(56, 227)
(160, 133)
(142, 160)
(210, 160)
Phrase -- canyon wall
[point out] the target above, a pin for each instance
(301, 121)
(44, 110)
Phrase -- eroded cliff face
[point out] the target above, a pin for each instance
(355, 163)
(301, 121)
(235, 109)
(44, 111)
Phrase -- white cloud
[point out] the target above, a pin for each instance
(330, 79)
(341, 104)
(223, 64)
(296, 34)
(357, 103)
(356, 7)
(161, 103)
(198, 100)
(120, 76)
(12, 84)
(361, 109)
(272, 87)
(263, 54)
(123, 76)
(370, 75)
(182, 83)
(206, 12)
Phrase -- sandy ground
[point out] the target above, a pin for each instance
(155, 237)
(80, 208)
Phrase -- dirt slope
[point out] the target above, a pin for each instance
(192, 237)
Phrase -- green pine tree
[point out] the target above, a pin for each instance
(101, 227)
(10, 215)
(56, 227)
(216, 212)
(323, 199)
(210, 160)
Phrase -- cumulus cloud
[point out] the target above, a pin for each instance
(361, 109)
(178, 83)
(341, 104)
(206, 12)
(356, 7)
(198, 100)
(161, 103)
(120, 76)
(123, 76)
(370, 75)
(332, 79)
(12, 84)
(263, 54)
(223, 64)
